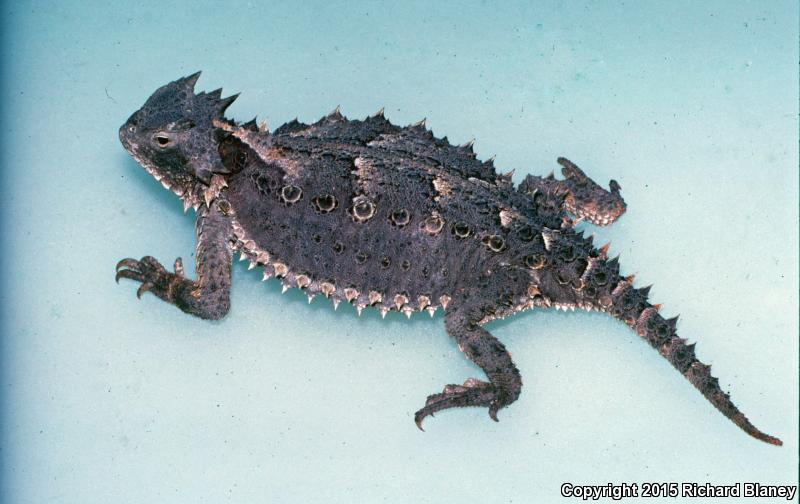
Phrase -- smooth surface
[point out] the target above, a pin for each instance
(691, 106)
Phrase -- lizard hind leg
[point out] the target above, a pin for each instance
(486, 351)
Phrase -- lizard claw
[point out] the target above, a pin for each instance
(143, 288)
(493, 411)
(127, 273)
(418, 420)
(126, 263)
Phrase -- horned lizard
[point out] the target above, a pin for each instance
(389, 217)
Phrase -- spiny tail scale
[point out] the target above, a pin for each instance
(632, 307)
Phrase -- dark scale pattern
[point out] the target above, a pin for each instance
(418, 143)
(392, 217)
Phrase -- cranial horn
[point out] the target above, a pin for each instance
(191, 80)
(226, 102)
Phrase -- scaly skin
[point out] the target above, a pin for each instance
(209, 296)
(373, 214)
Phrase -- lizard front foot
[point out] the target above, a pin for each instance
(153, 276)
(472, 393)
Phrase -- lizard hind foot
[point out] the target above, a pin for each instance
(472, 393)
(151, 274)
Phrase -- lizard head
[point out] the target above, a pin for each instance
(587, 200)
(173, 137)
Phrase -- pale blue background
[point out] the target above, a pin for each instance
(691, 106)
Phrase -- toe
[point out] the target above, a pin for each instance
(153, 264)
(131, 274)
(472, 393)
(179, 267)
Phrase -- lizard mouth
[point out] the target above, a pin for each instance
(593, 214)
(186, 190)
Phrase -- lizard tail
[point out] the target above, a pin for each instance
(632, 307)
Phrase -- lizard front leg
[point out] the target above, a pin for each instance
(208, 297)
